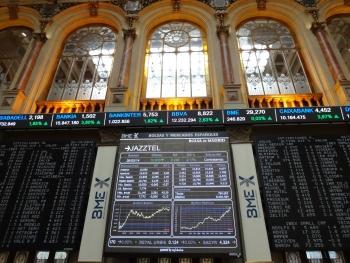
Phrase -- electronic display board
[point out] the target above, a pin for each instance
(78, 120)
(306, 188)
(137, 118)
(309, 114)
(346, 113)
(173, 193)
(44, 187)
(251, 116)
(177, 118)
(195, 117)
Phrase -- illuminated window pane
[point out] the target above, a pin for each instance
(85, 65)
(13, 45)
(176, 62)
(270, 60)
(339, 28)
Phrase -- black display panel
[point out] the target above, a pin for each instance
(67, 120)
(309, 114)
(137, 118)
(195, 117)
(249, 116)
(173, 194)
(346, 112)
(44, 188)
(306, 188)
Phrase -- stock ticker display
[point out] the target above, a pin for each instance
(173, 193)
(44, 187)
(225, 117)
(306, 187)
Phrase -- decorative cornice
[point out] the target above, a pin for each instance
(261, 4)
(50, 10)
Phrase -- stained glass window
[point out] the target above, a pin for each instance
(85, 65)
(176, 60)
(13, 46)
(340, 30)
(270, 59)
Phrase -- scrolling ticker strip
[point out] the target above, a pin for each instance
(225, 117)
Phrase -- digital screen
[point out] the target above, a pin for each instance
(309, 114)
(177, 118)
(78, 120)
(199, 117)
(239, 116)
(173, 194)
(44, 188)
(137, 118)
(306, 188)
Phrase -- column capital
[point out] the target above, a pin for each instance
(318, 27)
(130, 32)
(222, 29)
(40, 37)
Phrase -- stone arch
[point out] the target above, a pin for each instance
(159, 13)
(299, 23)
(62, 25)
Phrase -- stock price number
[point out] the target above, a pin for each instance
(255, 112)
(88, 116)
(205, 113)
(150, 114)
(36, 117)
(323, 110)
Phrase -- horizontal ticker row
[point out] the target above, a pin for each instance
(175, 118)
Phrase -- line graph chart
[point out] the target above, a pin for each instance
(204, 219)
(143, 218)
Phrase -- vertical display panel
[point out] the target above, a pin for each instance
(43, 189)
(306, 188)
(173, 194)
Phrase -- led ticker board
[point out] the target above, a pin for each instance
(195, 117)
(306, 187)
(173, 193)
(137, 118)
(44, 186)
(346, 113)
(225, 117)
(249, 116)
(78, 120)
(309, 114)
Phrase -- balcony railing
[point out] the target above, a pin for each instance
(177, 104)
(285, 101)
(67, 106)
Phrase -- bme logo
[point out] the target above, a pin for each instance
(100, 198)
(249, 196)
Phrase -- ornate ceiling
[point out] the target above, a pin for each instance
(49, 8)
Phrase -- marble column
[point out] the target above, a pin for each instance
(223, 33)
(38, 41)
(319, 29)
(129, 37)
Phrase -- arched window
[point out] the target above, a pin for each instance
(85, 65)
(270, 59)
(340, 30)
(13, 45)
(176, 62)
